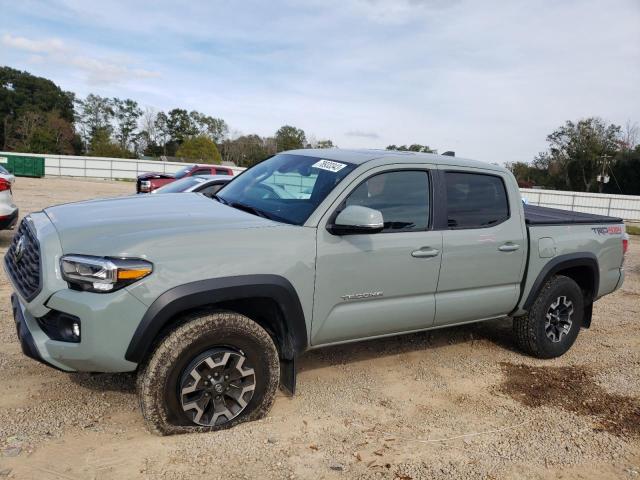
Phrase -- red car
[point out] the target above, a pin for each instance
(148, 182)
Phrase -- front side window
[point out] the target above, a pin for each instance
(401, 196)
(475, 200)
(285, 187)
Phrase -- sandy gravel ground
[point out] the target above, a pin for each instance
(453, 403)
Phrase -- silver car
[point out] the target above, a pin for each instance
(8, 210)
(208, 185)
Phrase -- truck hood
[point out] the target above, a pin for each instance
(153, 175)
(123, 226)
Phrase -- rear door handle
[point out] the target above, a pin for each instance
(509, 247)
(425, 252)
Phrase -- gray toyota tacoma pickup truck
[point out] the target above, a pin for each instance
(312, 248)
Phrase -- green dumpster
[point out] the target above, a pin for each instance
(23, 166)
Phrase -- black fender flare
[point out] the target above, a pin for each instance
(562, 262)
(211, 291)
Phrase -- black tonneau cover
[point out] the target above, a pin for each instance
(534, 215)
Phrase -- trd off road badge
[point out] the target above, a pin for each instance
(615, 230)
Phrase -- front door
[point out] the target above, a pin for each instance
(383, 283)
(484, 248)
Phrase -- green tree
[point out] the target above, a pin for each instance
(126, 114)
(200, 148)
(163, 134)
(102, 145)
(43, 132)
(214, 128)
(21, 92)
(415, 147)
(576, 152)
(290, 138)
(94, 114)
(180, 125)
(325, 144)
(529, 175)
(625, 172)
(246, 150)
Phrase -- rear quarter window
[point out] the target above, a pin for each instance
(475, 200)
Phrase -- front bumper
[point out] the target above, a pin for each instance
(27, 343)
(108, 322)
(9, 221)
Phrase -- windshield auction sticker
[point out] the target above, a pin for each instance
(329, 165)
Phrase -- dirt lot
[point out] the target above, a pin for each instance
(453, 403)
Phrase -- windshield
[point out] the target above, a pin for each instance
(286, 188)
(180, 185)
(183, 171)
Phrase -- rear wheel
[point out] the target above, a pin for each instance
(554, 320)
(214, 371)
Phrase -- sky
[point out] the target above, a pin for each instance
(488, 79)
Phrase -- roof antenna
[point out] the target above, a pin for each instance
(449, 153)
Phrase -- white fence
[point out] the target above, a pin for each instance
(623, 206)
(100, 167)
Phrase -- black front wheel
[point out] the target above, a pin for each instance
(554, 320)
(214, 371)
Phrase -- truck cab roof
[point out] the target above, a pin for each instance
(361, 156)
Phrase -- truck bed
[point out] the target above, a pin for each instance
(535, 215)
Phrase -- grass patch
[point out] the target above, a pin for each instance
(633, 230)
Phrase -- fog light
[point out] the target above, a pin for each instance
(61, 326)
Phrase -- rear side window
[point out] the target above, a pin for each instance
(401, 196)
(475, 200)
(222, 172)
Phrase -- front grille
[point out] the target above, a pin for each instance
(24, 269)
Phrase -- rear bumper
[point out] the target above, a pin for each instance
(9, 221)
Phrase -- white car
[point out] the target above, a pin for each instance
(8, 210)
(208, 185)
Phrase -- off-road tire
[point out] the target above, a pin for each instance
(158, 378)
(529, 330)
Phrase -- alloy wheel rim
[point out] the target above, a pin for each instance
(217, 388)
(558, 319)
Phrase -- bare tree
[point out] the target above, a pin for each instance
(630, 134)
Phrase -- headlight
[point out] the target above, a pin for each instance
(98, 274)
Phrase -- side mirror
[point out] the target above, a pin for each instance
(357, 220)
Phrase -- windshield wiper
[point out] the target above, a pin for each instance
(250, 209)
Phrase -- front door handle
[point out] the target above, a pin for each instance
(425, 252)
(509, 247)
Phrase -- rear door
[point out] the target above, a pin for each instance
(483, 247)
(382, 283)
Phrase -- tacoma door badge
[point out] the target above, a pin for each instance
(358, 296)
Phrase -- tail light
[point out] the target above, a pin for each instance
(4, 185)
(625, 243)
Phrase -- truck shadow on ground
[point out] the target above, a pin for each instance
(496, 333)
(100, 382)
